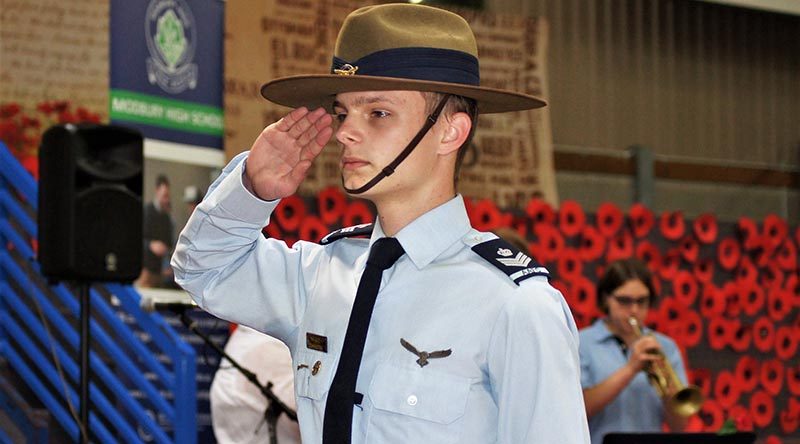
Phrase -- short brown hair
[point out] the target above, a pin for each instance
(456, 104)
(619, 272)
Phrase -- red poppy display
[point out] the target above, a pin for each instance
(609, 219)
(549, 243)
(793, 379)
(592, 244)
(620, 246)
(718, 336)
(642, 220)
(772, 439)
(700, 378)
(712, 302)
(690, 249)
(752, 298)
(746, 272)
(779, 303)
(540, 212)
(571, 218)
(792, 287)
(570, 265)
(748, 232)
(790, 417)
(786, 256)
(692, 329)
(684, 286)
(739, 335)
(712, 415)
(583, 296)
(747, 372)
(771, 275)
(762, 408)
(775, 231)
(485, 216)
(649, 254)
(733, 306)
(705, 228)
(312, 229)
(726, 392)
(741, 418)
(672, 225)
(331, 204)
(670, 263)
(771, 376)
(357, 213)
(786, 342)
(763, 334)
(290, 212)
(703, 270)
(273, 231)
(728, 253)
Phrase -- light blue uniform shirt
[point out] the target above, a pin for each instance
(513, 375)
(637, 408)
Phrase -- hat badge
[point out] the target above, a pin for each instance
(346, 70)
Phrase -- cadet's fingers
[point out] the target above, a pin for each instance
(308, 121)
(313, 131)
(290, 119)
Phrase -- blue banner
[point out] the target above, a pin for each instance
(166, 69)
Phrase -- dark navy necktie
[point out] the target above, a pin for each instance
(336, 428)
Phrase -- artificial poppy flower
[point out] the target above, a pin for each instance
(771, 376)
(700, 378)
(312, 229)
(746, 272)
(748, 371)
(764, 334)
(689, 249)
(792, 288)
(620, 246)
(779, 303)
(703, 270)
(775, 231)
(331, 204)
(741, 418)
(540, 212)
(786, 256)
(642, 220)
(692, 329)
(485, 216)
(728, 253)
(569, 264)
(672, 225)
(748, 233)
(684, 286)
(752, 298)
(733, 306)
(712, 415)
(649, 254)
(772, 439)
(762, 408)
(739, 335)
(712, 301)
(273, 231)
(671, 316)
(571, 218)
(290, 212)
(793, 379)
(790, 417)
(357, 213)
(786, 342)
(726, 392)
(705, 228)
(592, 244)
(718, 336)
(609, 219)
(583, 295)
(549, 242)
(670, 263)
(771, 275)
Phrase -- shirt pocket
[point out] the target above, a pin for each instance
(419, 405)
(313, 373)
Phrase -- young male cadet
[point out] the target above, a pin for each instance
(428, 331)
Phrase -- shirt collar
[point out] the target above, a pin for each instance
(431, 234)
(604, 334)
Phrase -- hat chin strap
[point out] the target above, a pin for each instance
(389, 170)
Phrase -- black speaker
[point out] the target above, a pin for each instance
(90, 203)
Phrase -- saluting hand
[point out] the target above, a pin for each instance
(282, 154)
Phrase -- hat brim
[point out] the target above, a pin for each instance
(313, 91)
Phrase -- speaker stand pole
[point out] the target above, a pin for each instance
(85, 346)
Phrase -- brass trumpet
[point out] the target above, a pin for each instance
(679, 399)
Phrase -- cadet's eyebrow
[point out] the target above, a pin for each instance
(366, 100)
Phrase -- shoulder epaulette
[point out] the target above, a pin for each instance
(355, 230)
(510, 260)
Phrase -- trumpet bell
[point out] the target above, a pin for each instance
(686, 401)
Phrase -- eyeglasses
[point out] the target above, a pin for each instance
(630, 301)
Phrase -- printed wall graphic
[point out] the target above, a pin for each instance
(512, 159)
(166, 75)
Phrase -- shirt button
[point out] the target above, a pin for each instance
(412, 400)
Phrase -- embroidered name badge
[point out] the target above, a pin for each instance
(317, 342)
(516, 264)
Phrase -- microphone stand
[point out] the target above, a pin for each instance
(275, 407)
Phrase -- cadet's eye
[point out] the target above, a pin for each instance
(380, 114)
(340, 116)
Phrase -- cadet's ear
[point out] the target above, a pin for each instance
(455, 133)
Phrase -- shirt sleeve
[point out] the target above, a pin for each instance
(232, 271)
(534, 369)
